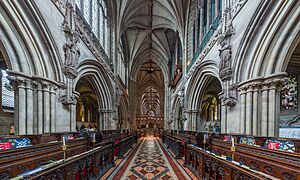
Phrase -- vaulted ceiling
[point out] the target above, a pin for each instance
(150, 86)
(149, 29)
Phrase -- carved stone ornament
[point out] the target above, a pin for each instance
(68, 99)
(225, 73)
(71, 51)
(228, 95)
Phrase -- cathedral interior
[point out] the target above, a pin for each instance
(149, 89)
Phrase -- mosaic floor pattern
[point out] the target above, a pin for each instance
(149, 163)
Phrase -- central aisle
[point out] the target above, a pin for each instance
(151, 162)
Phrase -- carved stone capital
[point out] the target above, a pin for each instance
(17, 82)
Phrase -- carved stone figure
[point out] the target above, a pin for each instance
(72, 52)
(225, 55)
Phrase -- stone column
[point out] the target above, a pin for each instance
(46, 106)
(243, 110)
(274, 106)
(53, 108)
(249, 111)
(29, 109)
(100, 120)
(21, 108)
(105, 114)
(19, 85)
(264, 110)
(40, 119)
(255, 110)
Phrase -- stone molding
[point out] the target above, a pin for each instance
(260, 84)
(18, 80)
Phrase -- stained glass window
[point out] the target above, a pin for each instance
(86, 10)
(7, 92)
(95, 14)
(101, 18)
(289, 93)
(107, 38)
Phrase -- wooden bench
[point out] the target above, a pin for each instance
(207, 166)
(280, 164)
(89, 165)
(175, 145)
(17, 161)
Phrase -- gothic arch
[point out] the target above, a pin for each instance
(177, 113)
(196, 89)
(268, 43)
(102, 82)
(26, 43)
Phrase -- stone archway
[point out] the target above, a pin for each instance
(261, 73)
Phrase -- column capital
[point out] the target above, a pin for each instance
(17, 81)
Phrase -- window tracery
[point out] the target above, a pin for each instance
(95, 13)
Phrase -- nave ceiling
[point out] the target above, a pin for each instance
(149, 29)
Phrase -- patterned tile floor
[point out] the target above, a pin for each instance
(150, 162)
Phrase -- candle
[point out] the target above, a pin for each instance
(94, 137)
(64, 141)
(232, 142)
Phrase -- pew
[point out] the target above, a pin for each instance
(48, 148)
(283, 164)
(20, 160)
(277, 157)
(125, 144)
(88, 165)
(208, 166)
(175, 145)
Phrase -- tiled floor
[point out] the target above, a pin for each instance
(151, 162)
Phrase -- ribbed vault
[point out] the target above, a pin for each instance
(150, 86)
(149, 28)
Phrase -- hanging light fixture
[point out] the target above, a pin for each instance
(150, 69)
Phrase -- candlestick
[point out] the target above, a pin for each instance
(64, 147)
(232, 147)
(64, 141)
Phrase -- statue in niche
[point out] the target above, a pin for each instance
(225, 55)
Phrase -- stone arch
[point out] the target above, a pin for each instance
(261, 63)
(177, 114)
(103, 89)
(26, 43)
(206, 73)
(34, 64)
(268, 43)
(195, 89)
